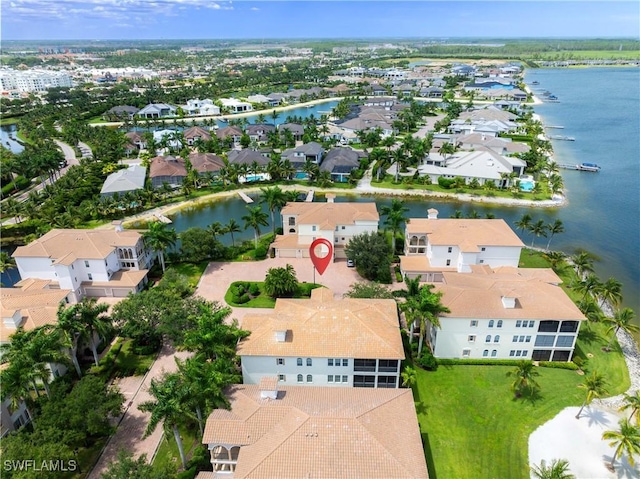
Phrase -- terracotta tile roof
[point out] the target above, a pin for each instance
(167, 166)
(324, 327)
(470, 234)
(206, 162)
(67, 245)
(479, 295)
(197, 132)
(331, 213)
(322, 433)
(420, 263)
(122, 278)
(37, 305)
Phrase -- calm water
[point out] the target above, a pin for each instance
(599, 107)
(8, 138)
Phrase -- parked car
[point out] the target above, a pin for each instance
(350, 263)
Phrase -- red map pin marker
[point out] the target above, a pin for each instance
(321, 263)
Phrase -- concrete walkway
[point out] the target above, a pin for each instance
(133, 422)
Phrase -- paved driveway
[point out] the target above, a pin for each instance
(218, 276)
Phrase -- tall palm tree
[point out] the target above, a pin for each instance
(232, 227)
(15, 354)
(168, 406)
(45, 347)
(583, 263)
(557, 469)
(95, 322)
(16, 380)
(626, 440)
(524, 377)
(409, 377)
(554, 228)
(275, 199)
(159, 237)
(632, 401)
(215, 229)
(523, 223)
(537, 229)
(610, 292)
(595, 386)
(425, 308)
(622, 319)
(255, 218)
(71, 329)
(589, 286)
(395, 216)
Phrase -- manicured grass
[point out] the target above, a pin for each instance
(193, 271)
(128, 363)
(532, 259)
(264, 300)
(168, 455)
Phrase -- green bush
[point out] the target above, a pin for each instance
(243, 299)
(558, 365)
(20, 183)
(445, 183)
(254, 290)
(427, 360)
(260, 252)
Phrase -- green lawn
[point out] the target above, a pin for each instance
(263, 300)
(193, 271)
(128, 363)
(168, 455)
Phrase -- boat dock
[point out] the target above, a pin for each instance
(162, 218)
(581, 167)
(245, 197)
(555, 127)
(563, 138)
(568, 167)
(309, 197)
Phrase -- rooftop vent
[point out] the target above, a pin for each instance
(281, 335)
(509, 302)
(269, 387)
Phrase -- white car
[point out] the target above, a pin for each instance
(350, 263)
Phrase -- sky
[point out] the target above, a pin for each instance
(208, 19)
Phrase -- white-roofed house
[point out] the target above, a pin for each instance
(125, 180)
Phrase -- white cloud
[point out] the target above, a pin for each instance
(255, 9)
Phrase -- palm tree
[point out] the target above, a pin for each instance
(44, 348)
(254, 219)
(426, 308)
(595, 386)
(94, 322)
(215, 229)
(588, 286)
(232, 227)
(610, 292)
(524, 223)
(395, 216)
(275, 199)
(583, 263)
(71, 329)
(537, 229)
(554, 228)
(556, 470)
(159, 237)
(7, 263)
(626, 440)
(632, 402)
(15, 381)
(409, 377)
(622, 319)
(524, 374)
(169, 407)
(554, 258)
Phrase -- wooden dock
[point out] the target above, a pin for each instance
(163, 218)
(568, 167)
(555, 127)
(245, 197)
(309, 197)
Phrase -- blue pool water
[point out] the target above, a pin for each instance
(300, 175)
(526, 185)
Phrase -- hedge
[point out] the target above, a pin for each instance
(503, 362)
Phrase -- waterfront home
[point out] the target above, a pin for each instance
(488, 113)
(233, 132)
(506, 313)
(206, 163)
(236, 106)
(296, 130)
(275, 430)
(259, 131)
(92, 263)
(121, 112)
(135, 142)
(276, 99)
(157, 110)
(167, 169)
(168, 139)
(336, 222)
(247, 157)
(260, 99)
(435, 245)
(322, 341)
(311, 151)
(123, 181)
(340, 162)
(204, 107)
(502, 146)
(483, 165)
(191, 135)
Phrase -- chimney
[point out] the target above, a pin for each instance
(330, 198)
(269, 387)
(432, 214)
(281, 335)
(117, 224)
(508, 302)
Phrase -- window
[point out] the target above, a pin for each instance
(309, 378)
(387, 365)
(364, 365)
(548, 326)
(519, 323)
(521, 339)
(309, 362)
(564, 342)
(499, 323)
(90, 276)
(525, 352)
(485, 353)
(472, 338)
(518, 353)
(532, 324)
(496, 339)
(299, 361)
(544, 340)
(364, 381)
(487, 339)
(448, 262)
(569, 326)
(527, 339)
(494, 353)
(386, 381)
(561, 355)
(343, 227)
(282, 377)
(280, 361)
(541, 355)
(474, 323)
(512, 353)
(342, 239)
(292, 221)
(313, 228)
(515, 338)
(481, 261)
(330, 378)
(329, 362)
(483, 249)
(466, 353)
(449, 249)
(86, 264)
(344, 379)
(345, 362)
(299, 378)
(491, 323)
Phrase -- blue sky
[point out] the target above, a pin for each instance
(202, 19)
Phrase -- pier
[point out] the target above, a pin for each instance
(309, 197)
(555, 127)
(163, 218)
(563, 138)
(245, 197)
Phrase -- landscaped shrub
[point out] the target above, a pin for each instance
(427, 360)
(558, 365)
(254, 289)
(503, 362)
(396, 269)
(445, 183)
(243, 299)
(260, 252)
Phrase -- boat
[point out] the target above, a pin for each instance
(588, 167)
(561, 137)
(535, 82)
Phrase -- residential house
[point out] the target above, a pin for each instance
(276, 99)
(206, 163)
(121, 112)
(234, 132)
(296, 130)
(135, 142)
(377, 90)
(337, 222)
(191, 135)
(247, 157)
(340, 162)
(236, 106)
(322, 341)
(299, 155)
(124, 181)
(157, 110)
(168, 139)
(434, 246)
(204, 107)
(259, 99)
(93, 263)
(259, 131)
(506, 313)
(502, 146)
(341, 135)
(167, 169)
(272, 430)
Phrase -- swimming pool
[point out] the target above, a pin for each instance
(300, 175)
(527, 185)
